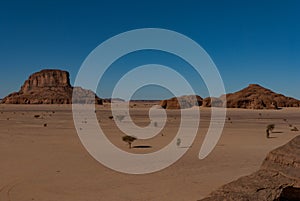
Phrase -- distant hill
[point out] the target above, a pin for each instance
(257, 97)
(113, 100)
(182, 102)
(252, 97)
(144, 101)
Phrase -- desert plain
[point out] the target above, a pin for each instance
(43, 159)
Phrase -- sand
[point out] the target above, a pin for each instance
(48, 162)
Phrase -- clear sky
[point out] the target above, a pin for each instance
(249, 41)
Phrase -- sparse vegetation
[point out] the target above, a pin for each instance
(45, 125)
(110, 117)
(129, 140)
(178, 142)
(269, 129)
(294, 129)
(37, 116)
(120, 117)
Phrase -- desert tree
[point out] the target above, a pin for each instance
(269, 129)
(129, 140)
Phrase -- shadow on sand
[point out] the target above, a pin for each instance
(142, 147)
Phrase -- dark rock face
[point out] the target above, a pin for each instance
(182, 102)
(278, 178)
(50, 87)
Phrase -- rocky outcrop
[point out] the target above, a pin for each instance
(50, 87)
(253, 97)
(182, 102)
(46, 79)
(213, 102)
(257, 97)
(278, 178)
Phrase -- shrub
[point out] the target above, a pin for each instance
(120, 117)
(178, 142)
(294, 129)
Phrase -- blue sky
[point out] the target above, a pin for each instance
(249, 41)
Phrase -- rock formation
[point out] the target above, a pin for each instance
(253, 97)
(50, 87)
(182, 102)
(278, 178)
(213, 102)
(257, 97)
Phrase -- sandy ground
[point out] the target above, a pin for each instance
(49, 163)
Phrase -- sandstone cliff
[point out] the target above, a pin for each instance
(50, 87)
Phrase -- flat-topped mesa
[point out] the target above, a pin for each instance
(50, 86)
(46, 78)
